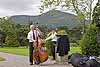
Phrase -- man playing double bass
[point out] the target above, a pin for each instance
(32, 37)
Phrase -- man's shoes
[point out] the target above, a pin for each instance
(31, 63)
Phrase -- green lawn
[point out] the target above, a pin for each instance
(2, 59)
(24, 51)
(18, 51)
(75, 50)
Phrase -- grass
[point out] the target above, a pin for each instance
(17, 51)
(2, 59)
(75, 50)
(24, 51)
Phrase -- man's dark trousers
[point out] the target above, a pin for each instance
(31, 48)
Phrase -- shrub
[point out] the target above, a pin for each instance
(88, 43)
(48, 46)
(74, 45)
(11, 41)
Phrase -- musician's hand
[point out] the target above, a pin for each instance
(37, 29)
(34, 41)
(44, 41)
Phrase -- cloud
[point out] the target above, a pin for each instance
(19, 6)
(23, 7)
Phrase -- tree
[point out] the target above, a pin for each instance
(21, 34)
(83, 8)
(75, 34)
(96, 13)
(9, 29)
(2, 38)
(89, 44)
(14, 35)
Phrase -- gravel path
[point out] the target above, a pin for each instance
(13, 60)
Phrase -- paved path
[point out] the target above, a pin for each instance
(22, 61)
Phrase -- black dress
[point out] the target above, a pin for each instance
(63, 45)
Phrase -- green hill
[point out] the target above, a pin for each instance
(52, 18)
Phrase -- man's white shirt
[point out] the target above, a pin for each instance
(30, 35)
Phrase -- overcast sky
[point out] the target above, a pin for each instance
(20, 7)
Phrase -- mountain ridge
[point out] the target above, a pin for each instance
(52, 18)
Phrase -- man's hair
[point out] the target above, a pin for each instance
(32, 26)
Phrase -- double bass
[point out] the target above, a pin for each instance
(40, 54)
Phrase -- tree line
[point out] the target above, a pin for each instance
(15, 35)
(12, 34)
